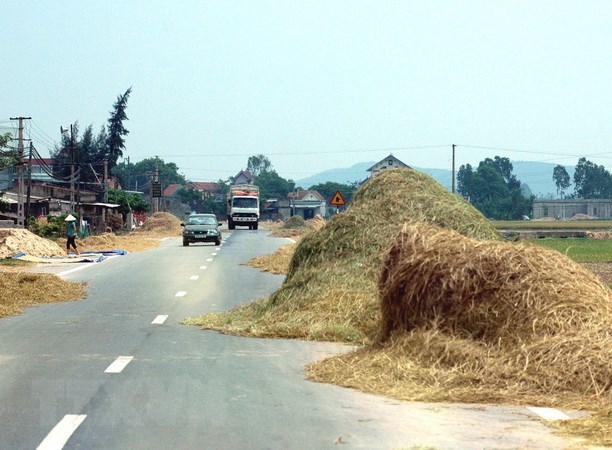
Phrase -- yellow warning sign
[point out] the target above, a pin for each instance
(337, 199)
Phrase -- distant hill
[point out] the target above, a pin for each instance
(537, 175)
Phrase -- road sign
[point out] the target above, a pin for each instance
(157, 190)
(337, 199)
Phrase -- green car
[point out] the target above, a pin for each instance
(201, 228)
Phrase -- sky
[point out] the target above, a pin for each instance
(316, 85)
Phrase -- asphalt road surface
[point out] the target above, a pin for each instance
(118, 370)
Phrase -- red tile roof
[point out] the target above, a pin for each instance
(171, 189)
(204, 186)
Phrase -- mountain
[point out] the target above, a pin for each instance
(536, 175)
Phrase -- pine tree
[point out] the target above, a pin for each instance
(115, 144)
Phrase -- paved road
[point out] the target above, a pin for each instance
(99, 374)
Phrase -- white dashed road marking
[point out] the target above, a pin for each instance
(218, 248)
(209, 259)
(59, 435)
(159, 320)
(180, 294)
(203, 267)
(548, 413)
(194, 277)
(213, 254)
(119, 364)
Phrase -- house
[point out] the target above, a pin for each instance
(568, 208)
(41, 170)
(207, 190)
(171, 190)
(304, 203)
(390, 162)
(243, 177)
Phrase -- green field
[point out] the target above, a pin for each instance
(582, 250)
(550, 225)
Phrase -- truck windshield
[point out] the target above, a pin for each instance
(245, 202)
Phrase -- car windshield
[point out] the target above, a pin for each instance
(201, 221)
(245, 202)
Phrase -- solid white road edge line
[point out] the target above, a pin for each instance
(181, 294)
(84, 266)
(59, 435)
(548, 413)
(165, 239)
(119, 364)
(159, 320)
(194, 277)
(291, 240)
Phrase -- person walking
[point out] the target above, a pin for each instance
(71, 232)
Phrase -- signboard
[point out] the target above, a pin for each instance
(157, 190)
(337, 199)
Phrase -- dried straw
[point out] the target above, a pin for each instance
(546, 318)
(335, 269)
(19, 289)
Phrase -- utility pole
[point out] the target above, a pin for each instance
(27, 208)
(454, 168)
(156, 179)
(20, 206)
(71, 169)
(105, 193)
(127, 175)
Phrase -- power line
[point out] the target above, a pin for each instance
(387, 149)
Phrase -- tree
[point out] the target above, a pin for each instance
(258, 164)
(561, 179)
(271, 185)
(128, 202)
(115, 144)
(591, 180)
(138, 176)
(329, 188)
(8, 156)
(494, 190)
(465, 180)
(194, 199)
(87, 165)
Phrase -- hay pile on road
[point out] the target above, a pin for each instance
(17, 240)
(546, 319)
(316, 223)
(330, 291)
(161, 224)
(293, 227)
(277, 263)
(133, 242)
(19, 290)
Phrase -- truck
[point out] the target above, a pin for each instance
(243, 206)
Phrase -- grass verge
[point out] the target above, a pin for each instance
(579, 249)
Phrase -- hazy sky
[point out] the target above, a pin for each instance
(317, 84)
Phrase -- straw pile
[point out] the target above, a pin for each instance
(17, 240)
(277, 263)
(18, 290)
(294, 222)
(545, 318)
(330, 291)
(316, 223)
(161, 224)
